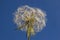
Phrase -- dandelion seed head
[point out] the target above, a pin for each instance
(24, 12)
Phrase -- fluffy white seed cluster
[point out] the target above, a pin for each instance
(26, 11)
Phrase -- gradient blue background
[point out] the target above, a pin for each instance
(7, 26)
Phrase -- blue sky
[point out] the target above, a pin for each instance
(7, 26)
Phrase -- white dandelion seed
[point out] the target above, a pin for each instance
(33, 17)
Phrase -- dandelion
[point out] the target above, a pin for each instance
(30, 20)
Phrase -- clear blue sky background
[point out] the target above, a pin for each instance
(7, 26)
